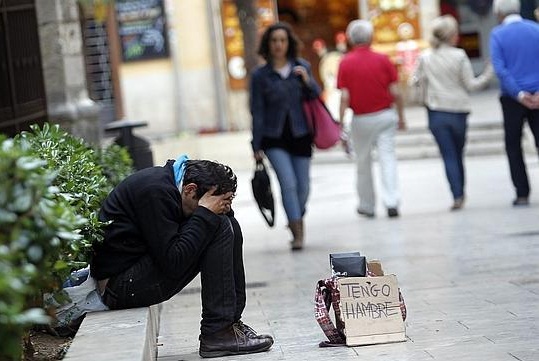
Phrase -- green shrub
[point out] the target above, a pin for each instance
(52, 187)
(116, 163)
(84, 176)
(36, 221)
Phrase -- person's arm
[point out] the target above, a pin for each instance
(470, 81)
(500, 68)
(418, 73)
(399, 104)
(173, 241)
(342, 85)
(344, 104)
(506, 78)
(256, 105)
(395, 91)
(303, 70)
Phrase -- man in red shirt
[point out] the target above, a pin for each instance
(369, 85)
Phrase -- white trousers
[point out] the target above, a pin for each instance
(369, 131)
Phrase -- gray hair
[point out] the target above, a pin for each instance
(443, 29)
(506, 7)
(359, 32)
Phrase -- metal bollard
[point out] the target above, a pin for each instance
(138, 148)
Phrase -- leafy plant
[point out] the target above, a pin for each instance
(116, 163)
(81, 179)
(52, 187)
(36, 221)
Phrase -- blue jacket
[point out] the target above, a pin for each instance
(514, 48)
(273, 98)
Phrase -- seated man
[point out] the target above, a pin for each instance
(167, 224)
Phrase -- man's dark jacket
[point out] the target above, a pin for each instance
(147, 218)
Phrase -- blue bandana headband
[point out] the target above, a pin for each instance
(179, 168)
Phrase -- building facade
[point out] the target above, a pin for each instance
(199, 87)
(178, 65)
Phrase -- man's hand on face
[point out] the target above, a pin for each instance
(218, 204)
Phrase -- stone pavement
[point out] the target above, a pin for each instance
(234, 149)
(470, 278)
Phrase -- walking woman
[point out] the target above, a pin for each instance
(280, 131)
(446, 74)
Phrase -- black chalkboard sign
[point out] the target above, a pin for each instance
(142, 29)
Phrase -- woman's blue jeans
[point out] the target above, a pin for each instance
(293, 175)
(449, 130)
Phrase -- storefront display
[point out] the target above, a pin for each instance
(233, 37)
(392, 19)
(397, 33)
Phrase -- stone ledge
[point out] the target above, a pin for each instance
(129, 335)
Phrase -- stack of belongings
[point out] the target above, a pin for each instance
(368, 305)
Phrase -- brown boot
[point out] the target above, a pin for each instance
(297, 231)
(231, 341)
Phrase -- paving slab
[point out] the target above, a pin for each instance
(470, 278)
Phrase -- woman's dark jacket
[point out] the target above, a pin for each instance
(274, 100)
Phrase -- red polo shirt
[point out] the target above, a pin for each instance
(367, 76)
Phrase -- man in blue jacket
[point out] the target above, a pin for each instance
(514, 46)
(167, 224)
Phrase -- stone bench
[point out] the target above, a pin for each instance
(123, 335)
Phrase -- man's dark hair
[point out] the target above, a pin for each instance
(206, 174)
(293, 42)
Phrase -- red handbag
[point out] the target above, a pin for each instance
(326, 131)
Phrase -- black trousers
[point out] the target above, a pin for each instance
(222, 275)
(514, 117)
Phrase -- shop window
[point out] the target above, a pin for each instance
(233, 38)
(320, 26)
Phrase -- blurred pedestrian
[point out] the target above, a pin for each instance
(514, 46)
(164, 226)
(369, 84)
(280, 130)
(327, 69)
(447, 77)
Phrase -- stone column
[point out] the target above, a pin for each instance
(62, 56)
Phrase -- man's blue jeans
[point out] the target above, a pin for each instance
(293, 174)
(220, 264)
(449, 130)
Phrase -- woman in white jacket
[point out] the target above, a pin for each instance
(445, 74)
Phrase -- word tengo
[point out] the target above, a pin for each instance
(364, 289)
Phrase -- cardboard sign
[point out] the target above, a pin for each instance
(370, 310)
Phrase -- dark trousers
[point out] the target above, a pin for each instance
(514, 116)
(220, 264)
(449, 131)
